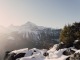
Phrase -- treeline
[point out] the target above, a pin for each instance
(70, 33)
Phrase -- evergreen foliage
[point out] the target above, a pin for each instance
(70, 33)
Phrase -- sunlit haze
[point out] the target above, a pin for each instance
(49, 13)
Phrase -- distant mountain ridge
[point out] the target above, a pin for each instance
(30, 33)
(29, 26)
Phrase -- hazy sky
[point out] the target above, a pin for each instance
(50, 13)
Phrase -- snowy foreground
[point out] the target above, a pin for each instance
(39, 54)
(70, 53)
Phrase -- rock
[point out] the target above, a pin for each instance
(68, 52)
(76, 44)
(46, 54)
(75, 56)
(61, 45)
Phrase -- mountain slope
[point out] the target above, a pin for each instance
(27, 35)
(31, 35)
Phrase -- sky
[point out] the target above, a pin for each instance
(48, 13)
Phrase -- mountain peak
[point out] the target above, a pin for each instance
(29, 24)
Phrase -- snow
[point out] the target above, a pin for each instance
(56, 55)
(26, 29)
(78, 51)
(20, 50)
(38, 54)
(76, 41)
(53, 48)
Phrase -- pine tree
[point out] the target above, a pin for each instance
(70, 33)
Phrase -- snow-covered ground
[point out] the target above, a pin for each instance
(51, 54)
(37, 54)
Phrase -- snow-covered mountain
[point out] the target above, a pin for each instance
(30, 28)
(30, 33)
(27, 27)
